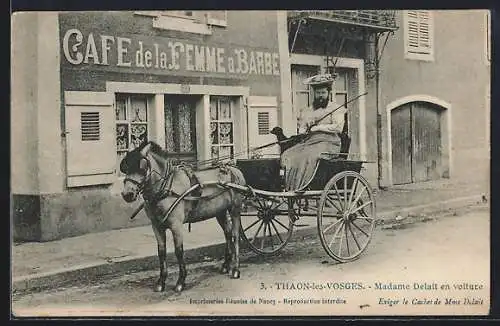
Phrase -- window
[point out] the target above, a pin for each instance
(178, 13)
(419, 35)
(194, 21)
(221, 128)
(131, 113)
(217, 17)
(341, 94)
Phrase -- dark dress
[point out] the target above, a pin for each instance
(301, 159)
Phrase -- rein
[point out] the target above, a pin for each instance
(166, 191)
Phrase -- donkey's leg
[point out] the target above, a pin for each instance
(161, 240)
(235, 241)
(177, 235)
(226, 227)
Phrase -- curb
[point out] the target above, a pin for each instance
(85, 274)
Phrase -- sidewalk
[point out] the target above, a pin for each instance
(91, 256)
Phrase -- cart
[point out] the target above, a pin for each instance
(338, 196)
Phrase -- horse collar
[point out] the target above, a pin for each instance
(164, 191)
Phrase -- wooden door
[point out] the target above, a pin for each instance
(180, 127)
(416, 143)
(426, 154)
(401, 144)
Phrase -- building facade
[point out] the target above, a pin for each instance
(88, 87)
(426, 75)
(435, 85)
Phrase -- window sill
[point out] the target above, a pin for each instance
(419, 56)
(181, 24)
(91, 180)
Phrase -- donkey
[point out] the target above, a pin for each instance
(170, 201)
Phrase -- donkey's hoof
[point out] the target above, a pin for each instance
(178, 288)
(235, 273)
(159, 287)
(224, 270)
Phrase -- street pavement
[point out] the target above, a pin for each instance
(42, 266)
(444, 262)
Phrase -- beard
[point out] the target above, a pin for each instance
(320, 103)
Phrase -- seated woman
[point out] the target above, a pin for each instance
(320, 136)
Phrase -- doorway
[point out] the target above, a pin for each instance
(416, 143)
(180, 127)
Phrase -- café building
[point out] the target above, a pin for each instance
(88, 87)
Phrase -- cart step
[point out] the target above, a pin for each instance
(300, 225)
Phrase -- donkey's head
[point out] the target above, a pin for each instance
(137, 169)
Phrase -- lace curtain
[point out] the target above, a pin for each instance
(221, 128)
(131, 114)
(179, 126)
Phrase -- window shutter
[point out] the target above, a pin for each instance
(90, 141)
(262, 117)
(419, 29)
(424, 40)
(413, 29)
(217, 17)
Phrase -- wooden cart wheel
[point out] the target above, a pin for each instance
(265, 224)
(346, 216)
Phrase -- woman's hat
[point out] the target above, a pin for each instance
(320, 80)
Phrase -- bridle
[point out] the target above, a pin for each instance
(164, 178)
(141, 184)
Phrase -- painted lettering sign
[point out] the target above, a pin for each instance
(165, 55)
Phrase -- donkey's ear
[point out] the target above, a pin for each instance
(124, 165)
(145, 149)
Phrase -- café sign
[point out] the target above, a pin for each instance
(163, 54)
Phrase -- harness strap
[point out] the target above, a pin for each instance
(194, 189)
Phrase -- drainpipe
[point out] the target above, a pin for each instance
(379, 114)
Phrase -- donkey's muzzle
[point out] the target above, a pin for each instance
(129, 196)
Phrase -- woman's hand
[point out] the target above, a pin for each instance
(311, 122)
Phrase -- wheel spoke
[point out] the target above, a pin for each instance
(364, 218)
(276, 230)
(263, 238)
(332, 225)
(335, 234)
(347, 237)
(256, 233)
(355, 188)
(357, 227)
(357, 198)
(340, 243)
(283, 225)
(345, 191)
(248, 227)
(259, 203)
(270, 235)
(360, 207)
(338, 192)
(354, 237)
(282, 202)
(332, 202)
